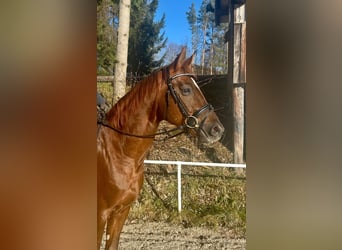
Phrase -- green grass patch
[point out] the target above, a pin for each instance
(106, 89)
(211, 202)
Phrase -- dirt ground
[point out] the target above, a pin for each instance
(156, 235)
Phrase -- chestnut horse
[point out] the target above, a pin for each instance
(127, 132)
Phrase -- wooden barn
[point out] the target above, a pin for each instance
(233, 13)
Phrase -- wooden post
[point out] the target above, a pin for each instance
(239, 81)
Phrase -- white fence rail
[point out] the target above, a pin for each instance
(179, 171)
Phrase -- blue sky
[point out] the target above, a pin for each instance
(176, 25)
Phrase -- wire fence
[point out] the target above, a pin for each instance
(184, 163)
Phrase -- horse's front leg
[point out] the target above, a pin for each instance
(114, 227)
(101, 221)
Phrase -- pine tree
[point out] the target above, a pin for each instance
(204, 22)
(220, 49)
(106, 36)
(192, 20)
(213, 50)
(146, 39)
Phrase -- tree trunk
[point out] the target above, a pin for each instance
(122, 50)
(204, 30)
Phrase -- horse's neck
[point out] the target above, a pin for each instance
(133, 121)
(134, 116)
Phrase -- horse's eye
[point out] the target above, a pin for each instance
(186, 91)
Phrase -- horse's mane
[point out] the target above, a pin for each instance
(143, 91)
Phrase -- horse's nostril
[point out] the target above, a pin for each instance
(216, 130)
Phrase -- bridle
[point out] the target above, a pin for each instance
(190, 121)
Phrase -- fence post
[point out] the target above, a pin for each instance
(239, 81)
(179, 186)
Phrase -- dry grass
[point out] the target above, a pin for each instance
(212, 198)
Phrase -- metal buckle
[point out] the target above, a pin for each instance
(191, 122)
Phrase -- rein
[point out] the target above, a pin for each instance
(151, 136)
(190, 122)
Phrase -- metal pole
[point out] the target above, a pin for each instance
(179, 169)
(189, 163)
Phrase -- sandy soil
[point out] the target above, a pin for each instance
(156, 235)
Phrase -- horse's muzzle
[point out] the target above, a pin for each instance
(211, 132)
(216, 131)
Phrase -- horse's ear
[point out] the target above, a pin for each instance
(189, 62)
(180, 58)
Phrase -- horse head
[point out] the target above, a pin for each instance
(185, 103)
